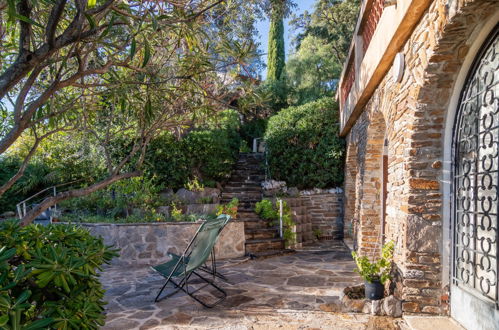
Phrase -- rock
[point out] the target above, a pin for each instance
(414, 273)
(164, 210)
(392, 306)
(353, 305)
(196, 197)
(377, 307)
(8, 214)
(293, 192)
(331, 308)
(187, 196)
(367, 307)
(273, 185)
(424, 236)
(201, 208)
(166, 194)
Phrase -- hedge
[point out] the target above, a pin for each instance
(304, 147)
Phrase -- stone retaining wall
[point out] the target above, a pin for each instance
(317, 213)
(149, 243)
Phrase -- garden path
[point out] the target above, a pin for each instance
(294, 291)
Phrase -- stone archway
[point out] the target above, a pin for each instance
(350, 189)
(369, 185)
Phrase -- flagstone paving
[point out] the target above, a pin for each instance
(294, 291)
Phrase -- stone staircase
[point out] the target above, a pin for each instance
(262, 239)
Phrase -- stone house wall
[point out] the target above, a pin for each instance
(150, 243)
(410, 118)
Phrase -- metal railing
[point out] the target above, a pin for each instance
(268, 177)
(23, 207)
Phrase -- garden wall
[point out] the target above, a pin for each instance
(149, 243)
(317, 213)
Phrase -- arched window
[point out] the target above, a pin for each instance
(476, 178)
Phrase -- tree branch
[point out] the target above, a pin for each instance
(51, 201)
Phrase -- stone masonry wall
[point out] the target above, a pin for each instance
(411, 116)
(149, 243)
(317, 213)
(326, 212)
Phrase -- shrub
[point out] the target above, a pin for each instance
(208, 153)
(118, 199)
(270, 211)
(49, 277)
(229, 208)
(266, 210)
(304, 147)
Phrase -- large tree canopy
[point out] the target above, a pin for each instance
(115, 72)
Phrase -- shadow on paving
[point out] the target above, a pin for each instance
(303, 288)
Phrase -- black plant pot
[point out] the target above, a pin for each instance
(374, 290)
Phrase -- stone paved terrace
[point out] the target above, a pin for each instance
(294, 291)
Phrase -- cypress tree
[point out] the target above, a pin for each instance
(275, 57)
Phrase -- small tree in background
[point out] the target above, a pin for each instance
(276, 53)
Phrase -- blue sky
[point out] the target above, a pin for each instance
(263, 29)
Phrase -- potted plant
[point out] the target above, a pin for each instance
(375, 273)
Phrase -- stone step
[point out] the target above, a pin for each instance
(243, 201)
(261, 233)
(242, 196)
(248, 178)
(253, 224)
(259, 245)
(242, 188)
(248, 214)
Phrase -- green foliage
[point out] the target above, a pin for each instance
(333, 21)
(304, 147)
(311, 71)
(230, 208)
(266, 210)
(253, 129)
(276, 55)
(176, 213)
(49, 277)
(317, 233)
(378, 270)
(270, 211)
(118, 199)
(207, 154)
(194, 185)
(322, 45)
(35, 178)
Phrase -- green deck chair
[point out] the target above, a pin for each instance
(205, 268)
(194, 257)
